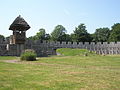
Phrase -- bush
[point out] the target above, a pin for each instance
(28, 55)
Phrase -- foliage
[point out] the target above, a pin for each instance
(58, 33)
(81, 34)
(32, 38)
(2, 37)
(74, 52)
(65, 37)
(28, 55)
(47, 37)
(41, 35)
(73, 37)
(101, 35)
(115, 33)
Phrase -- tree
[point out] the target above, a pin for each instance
(101, 35)
(41, 35)
(2, 37)
(65, 37)
(73, 37)
(81, 34)
(47, 37)
(58, 33)
(115, 33)
(32, 38)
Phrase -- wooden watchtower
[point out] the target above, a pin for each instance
(17, 40)
(19, 28)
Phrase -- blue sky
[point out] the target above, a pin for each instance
(69, 13)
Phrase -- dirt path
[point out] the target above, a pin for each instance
(26, 62)
(11, 61)
(36, 63)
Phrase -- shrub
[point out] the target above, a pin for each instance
(28, 55)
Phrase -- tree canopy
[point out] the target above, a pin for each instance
(2, 37)
(41, 35)
(115, 33)
(58, 33)
(101, 35)
(81, 34)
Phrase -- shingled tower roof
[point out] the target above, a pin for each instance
(19, 24)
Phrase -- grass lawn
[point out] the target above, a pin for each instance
(7, 58)
(61, 73)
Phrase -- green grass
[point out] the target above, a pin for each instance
(7, 58)
(74, 52)
(62, 73)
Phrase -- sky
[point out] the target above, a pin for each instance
(69, 13)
